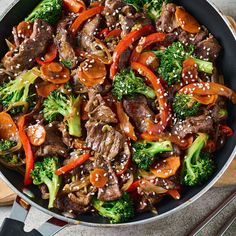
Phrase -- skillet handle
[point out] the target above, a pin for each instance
(14, 225)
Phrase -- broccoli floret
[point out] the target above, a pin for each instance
(58, 103)
(144, 152)
(126, 83)
(117, 211)
(198, 167)
(6, 145)
(44, 173)
(185, 106)
(16, 94)
(172, 60)
(152, 8)
(47, 10)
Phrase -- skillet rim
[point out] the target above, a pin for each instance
(148, 220)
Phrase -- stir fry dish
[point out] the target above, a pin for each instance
(110, 106)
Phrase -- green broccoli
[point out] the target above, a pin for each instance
(185, 106)
(198, 167)
(16, 94)
(172, 59)
(126, 83)
(152, 8)
(117, 211)
(144, 152)
(44, 173)
(47, 10)
(58, 103)
(6, 145)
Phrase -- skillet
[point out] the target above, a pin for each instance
(208, 15)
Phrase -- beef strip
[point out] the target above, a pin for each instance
(208, 49)
(23, 57)
(104, 139)
(167, 22)
(67, 139)
(65, 43)
(111, 190)
(137, 109)
(111, 12)
(192, 125)
(97, 109)
(71, 203)
(53, 144)
(124, 59)
(188, 38)
(87, 34)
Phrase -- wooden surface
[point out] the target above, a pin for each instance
(229, 178)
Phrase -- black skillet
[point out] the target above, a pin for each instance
(217, 24)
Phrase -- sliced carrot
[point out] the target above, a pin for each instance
(186, 21)
(167, 167)
(92, 72)
(55, 73)
(99, 178)
(36, 134)
(174, 193)
(24, 29)
(190, 71)
(149, 59)
(50, 55)
(45, 88)
(206, 100)
(8, 128)
(76, 6)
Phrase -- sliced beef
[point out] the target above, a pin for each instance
(111, 191)
(88, 32)
(188, 38)
(138, 110)
(124, 59)
(127, 22)
(111, 12)
(147, 202)
(98, 110)
(67, 139)
(166, 22)
(192, 125)
(104, 139)
(24, 56)
(208, 49)
(71, 203)
(53, 145)
(65, 43)
(217, 113)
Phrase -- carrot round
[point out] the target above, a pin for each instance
(45, 88)
(99, 177)
(55, 73)
(75, 6)
(149, 59)
(166, 168)
(36, 134)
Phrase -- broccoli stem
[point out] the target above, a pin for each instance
(158, 147)
(74, 125)
(148, 92)
(52, 191)
(204, 66)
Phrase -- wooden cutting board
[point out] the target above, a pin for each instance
(229, 178)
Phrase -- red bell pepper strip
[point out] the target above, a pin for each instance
(133, 187)
(85, 16)
(103, 33)
(114, 33)
(49, 57)
(144, 43)
(227, 130)
(125, 124)
(209, 88)
(72, 164)
(29, 156)
(161, 97)
(125, 43)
